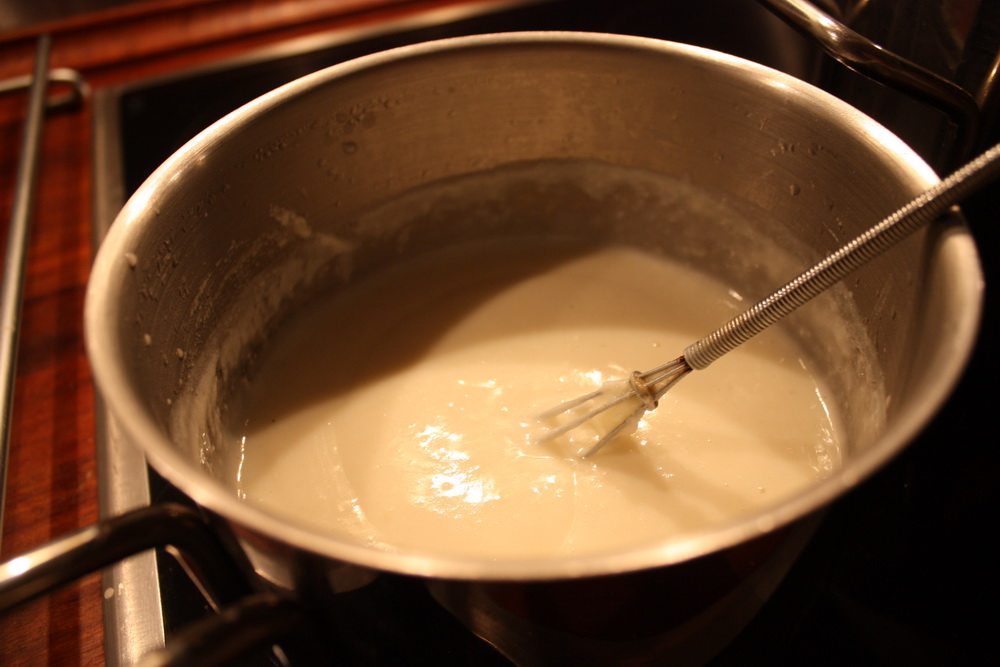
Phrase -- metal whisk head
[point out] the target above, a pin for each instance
(617, 404)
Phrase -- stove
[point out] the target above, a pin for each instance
(896, 573)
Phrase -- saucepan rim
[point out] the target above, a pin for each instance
(109, 279)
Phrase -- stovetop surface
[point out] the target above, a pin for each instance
(899, 571)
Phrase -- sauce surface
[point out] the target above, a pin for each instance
(400, 412)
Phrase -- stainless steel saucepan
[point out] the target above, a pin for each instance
(346, 169)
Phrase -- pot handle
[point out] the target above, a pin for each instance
(243, 622)
(868, 58)
(179, 529)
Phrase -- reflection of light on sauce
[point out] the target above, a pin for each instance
(462, 486)
(451, 477)
(641, 433)
(353, 506)
(239, 470)
(543, 484)
(436, 435)
(823, 405)
(495, 391)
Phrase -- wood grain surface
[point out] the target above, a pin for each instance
(52, 482)
(52, 478)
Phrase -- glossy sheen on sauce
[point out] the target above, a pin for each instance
(398, 413)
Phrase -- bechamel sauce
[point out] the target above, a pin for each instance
(398, 412)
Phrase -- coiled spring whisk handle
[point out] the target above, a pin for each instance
(858, 251)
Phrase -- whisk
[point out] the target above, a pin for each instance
(620, 404)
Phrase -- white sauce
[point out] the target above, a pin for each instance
(399, 412)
